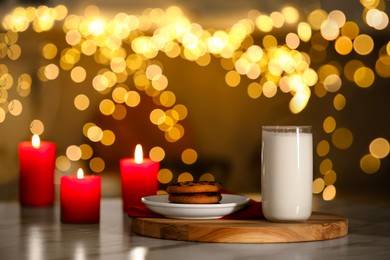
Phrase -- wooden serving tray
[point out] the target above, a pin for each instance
(320, 226)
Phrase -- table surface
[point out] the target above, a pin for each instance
(37, 233)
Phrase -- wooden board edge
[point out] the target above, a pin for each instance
(336, 227)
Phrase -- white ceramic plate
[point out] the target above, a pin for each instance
(230, 203)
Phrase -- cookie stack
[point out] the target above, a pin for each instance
(194, 192)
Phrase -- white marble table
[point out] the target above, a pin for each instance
(28, 233)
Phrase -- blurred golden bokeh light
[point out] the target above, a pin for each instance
(185, 176)
(369, 164)
(165, 176)
(342, 138)
(326, 165)
(15, 107)
(329, 193)
(318, 185)
(97, 164)
(78, 74)
(329, 124)
(377, 19)
(323, 148)
(339, 102)
(256, 52)
(382, 66)
(379, 148)
(86, 151)
(364, 77)
(330, 177)
(157, 154)
(73, 153)
(363, 44)
(81, 102)
(207, 177)
(108, 138)
(37, 127)
(189, 156)
(63, 163)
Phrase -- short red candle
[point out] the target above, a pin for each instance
(138, 178)
(80, 199)
(36, 173)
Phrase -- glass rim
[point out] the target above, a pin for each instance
(281, 128)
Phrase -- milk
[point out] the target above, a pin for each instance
(287, 173)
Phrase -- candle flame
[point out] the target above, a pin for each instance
(35, 141)
(138, 155)
(80, 174)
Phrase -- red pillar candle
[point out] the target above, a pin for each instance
(36, 172)
(80, 198)
(138, 178)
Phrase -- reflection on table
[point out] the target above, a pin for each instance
(37, 233)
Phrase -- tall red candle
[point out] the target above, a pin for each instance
(36, 172)
(80, 198)
(138, 178)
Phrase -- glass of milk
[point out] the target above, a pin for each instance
(286, 173)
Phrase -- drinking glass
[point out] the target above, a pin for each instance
(286, 173)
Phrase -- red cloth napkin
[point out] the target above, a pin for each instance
(251, 211)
